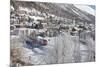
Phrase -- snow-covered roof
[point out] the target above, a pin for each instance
(86, 8)
(24, 9)
(36, 17)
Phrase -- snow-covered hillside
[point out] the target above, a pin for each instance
(86, 8)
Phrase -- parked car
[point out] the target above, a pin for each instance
(37, 42)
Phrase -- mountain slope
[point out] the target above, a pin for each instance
(59, 9)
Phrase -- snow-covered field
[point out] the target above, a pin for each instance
(61, 49)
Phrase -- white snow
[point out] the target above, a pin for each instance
(42, 30)
(38, 50)
(11, 7)
(39, 37)
(24, 9)
(36, 17)
(86, 8)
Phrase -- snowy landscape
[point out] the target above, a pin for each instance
(51, 33)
